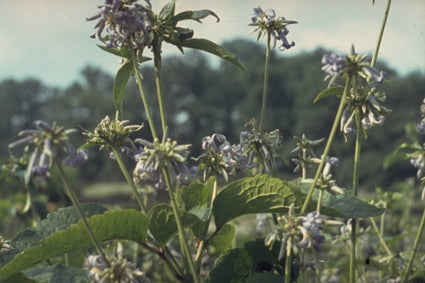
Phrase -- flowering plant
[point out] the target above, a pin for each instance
(190, 235)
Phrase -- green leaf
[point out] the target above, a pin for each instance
(167, 11)
(120, 52)
(210, 47)
(263, 277)
(238, 264)
(342, 205)
(193, 15)
(223, 240)
(58, 220)
(332, 91)
(120, 83)
(20, 278)
(259, 194)
(196, 194)
(162, 223)
(417, 277)
(128, 224)
(58, 273)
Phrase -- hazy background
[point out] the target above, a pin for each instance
(49, 39)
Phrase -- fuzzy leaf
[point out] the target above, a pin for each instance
(193, 15)
(58, 220)
(343, 205)
(196, 194)
(128, 224)
(223, 240)
(167, 11)
(236, 265)
(211, 47)
(58, 273)
(259, 194)
(332, 91)
(162, 223)
(120, 83)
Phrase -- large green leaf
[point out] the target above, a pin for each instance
(238, 264)
(120, 83)
(193, 15)
(55, 221)
(211, 47)
(162, 222)
(259, 194)
(332, 91)
(196, 194)
(126, 224)
(342, 205)
(58, 273)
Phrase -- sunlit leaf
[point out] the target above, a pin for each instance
(167, 11)
(120, 83)
(332, 91)
(193, 15)
(223, 240)
(259, 194)
(128, 224)
(211, 47)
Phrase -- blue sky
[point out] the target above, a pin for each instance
(49, 39)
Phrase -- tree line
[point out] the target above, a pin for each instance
(204, 98)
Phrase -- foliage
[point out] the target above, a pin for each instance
(187, 225)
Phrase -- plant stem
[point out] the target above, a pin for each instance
(129, 180)
(138, 77)
(380, 236)
(415, 248)
(157, 69)
(357, 151)
(317, 269)
(328, 145)
(288, 260)
(381, 33)
(265, 83)
(76, 204)
(182, 237)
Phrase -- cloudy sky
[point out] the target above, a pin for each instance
(49, 39)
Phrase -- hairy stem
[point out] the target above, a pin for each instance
(160, 98)
(381, 34)
(129, 180)
(357, 150)
(138, 77)
(328, 146)
(76, 204)
(288, 260)
(182, 237)
(265, 84)
(415, 248)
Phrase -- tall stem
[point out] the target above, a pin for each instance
(138, 77)
(76, 204)
(265, 83)
(129, 180)
(415, 248)
(157, 69)
(182, 237)
(381, 34)
(357, 150)
(328, 145)
(288, 260)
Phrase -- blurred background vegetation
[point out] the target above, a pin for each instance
(201, 99)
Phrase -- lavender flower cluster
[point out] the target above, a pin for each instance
(276, 27)
(126, 23)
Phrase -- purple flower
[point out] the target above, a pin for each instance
(75, 159)
(310, 230)
(276, 27)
